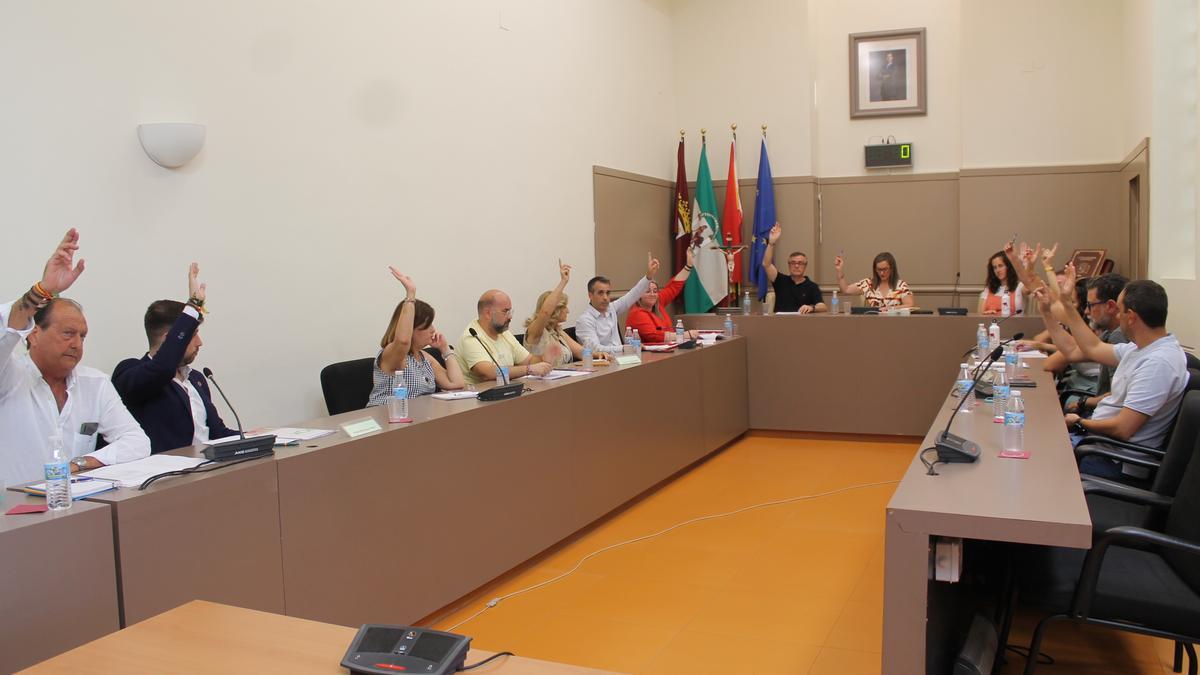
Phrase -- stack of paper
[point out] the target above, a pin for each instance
(133, 474)
(81, 486)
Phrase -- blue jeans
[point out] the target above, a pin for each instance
(1096, 465)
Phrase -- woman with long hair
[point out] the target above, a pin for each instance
(402, 348)
(1001, 278)
(883, 289)
(544, 334)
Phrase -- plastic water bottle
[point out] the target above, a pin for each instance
(398, 402)
(58, 476)
(1005, 303)
(680, 333)
(1000, 389)
(728, 326)
(586, 359)
(745, 303)
(628, 334)
(993, 335)
(1011, 362)
(636, 341)
(833, 304)
(963, 383)
(981, 342)
(1014, 423)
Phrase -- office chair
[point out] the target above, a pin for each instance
(1132, 579)
(347, 385)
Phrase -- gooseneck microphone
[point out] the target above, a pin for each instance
(952, 448)
(255, 446)
(998, 323)
(475, 335)
(954, 297)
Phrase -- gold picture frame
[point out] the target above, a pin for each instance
(887, 73)
(1088, 261)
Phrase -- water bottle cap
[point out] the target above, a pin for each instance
(1015, 392)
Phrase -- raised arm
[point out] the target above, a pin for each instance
(1068, 349)
(534, 332)
(57, 276)
(396, 351)
(847, 289)
(1064, 307)
(137, 380)
(626, 301)
(768, 261)
(687, 266)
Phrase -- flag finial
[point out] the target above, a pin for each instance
(703, 134)
(681, 134)
(764, 129)
(733, 128)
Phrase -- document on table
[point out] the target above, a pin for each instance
(81, 486)
(455, 395)
(557, 375)
(133, 474)
(284, 435)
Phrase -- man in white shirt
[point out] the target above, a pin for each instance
(1151, 370)
(597, 327)
(46, 393)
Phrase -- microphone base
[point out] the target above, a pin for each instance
(246, 448)
(502, 392)
(955, 449)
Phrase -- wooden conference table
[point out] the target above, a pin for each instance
(857, 374)
(204, 637)
(392, 526)
(1031, 501)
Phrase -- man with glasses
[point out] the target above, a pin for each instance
(488, 338)
(794, 291)
(1103, 315)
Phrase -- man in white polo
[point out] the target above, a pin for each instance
(597, 327)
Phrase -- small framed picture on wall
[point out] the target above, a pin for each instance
(1088, 262)
(887, 73)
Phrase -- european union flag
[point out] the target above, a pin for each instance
(764, 219)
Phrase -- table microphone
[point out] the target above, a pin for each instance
(951, 448)
(256, 445)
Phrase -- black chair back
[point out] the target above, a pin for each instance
(1185, 439)
(1193, 361)
(570, 330)
(347, 385)
(1183, 521)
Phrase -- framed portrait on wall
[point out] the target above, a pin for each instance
(887, 73)
(1088, 261)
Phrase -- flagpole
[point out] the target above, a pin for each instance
(735, 285)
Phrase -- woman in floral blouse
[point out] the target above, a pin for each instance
(883, 289)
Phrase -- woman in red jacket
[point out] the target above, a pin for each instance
(649, 318)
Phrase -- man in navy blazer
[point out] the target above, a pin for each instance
(171, 401)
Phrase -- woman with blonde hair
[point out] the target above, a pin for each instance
(544, 335)
(402, 348)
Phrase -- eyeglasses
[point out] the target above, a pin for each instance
(798, 263)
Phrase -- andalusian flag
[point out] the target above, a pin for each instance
(731, 217)
(709, 283)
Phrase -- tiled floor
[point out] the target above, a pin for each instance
(794, 588)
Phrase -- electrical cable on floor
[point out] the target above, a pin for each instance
(495, 601)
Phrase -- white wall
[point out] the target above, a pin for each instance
(839, 139)
(452, 139)
(745, 63)
(1043, 83)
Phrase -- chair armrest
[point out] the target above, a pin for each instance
(1118, 454)
(1085, 590)
(1064, 394)
(1097, 438)
(1095, 485)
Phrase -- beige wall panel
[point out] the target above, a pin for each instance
(1134, 211)
(916, 220)
(632, 216)
(1078, 210)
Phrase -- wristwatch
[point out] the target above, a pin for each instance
(80, 463)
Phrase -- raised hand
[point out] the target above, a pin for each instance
(61, 271)
(564, 272)
(1048, 254)
(409, 286)
(691, 257)
(773, 235)
(652, 265)
(837, 263)
(196, 290)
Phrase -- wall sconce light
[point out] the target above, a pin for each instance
(172, 144)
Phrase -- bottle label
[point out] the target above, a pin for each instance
(963, 387)
(400, 392)
(57, 471)
(1000, 391)
(1014, 419)
(1011, 358)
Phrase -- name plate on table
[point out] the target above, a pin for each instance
(361, 427)
(628, 360)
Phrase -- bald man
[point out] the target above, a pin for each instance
(493, 340)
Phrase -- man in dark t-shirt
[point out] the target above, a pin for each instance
(794, 291)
